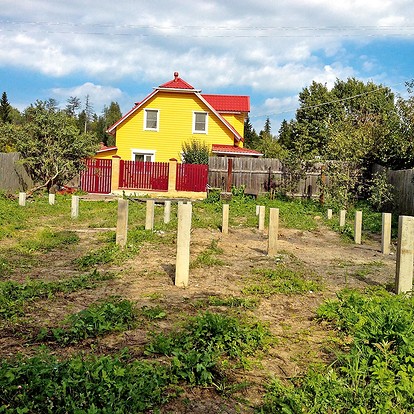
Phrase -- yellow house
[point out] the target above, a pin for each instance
(174, 113)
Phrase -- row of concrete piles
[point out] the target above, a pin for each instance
(405, 243)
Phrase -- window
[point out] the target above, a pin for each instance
(142, 155)
(200, 122)
(151, 119)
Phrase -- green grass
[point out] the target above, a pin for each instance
(15, 297)
(233, 302)
(110, 253)
(281, 280)
(47, 240)
(192, 355)
(208, 257)
(153, 312)
(83, 384)
(113, 314)
(197, 350)
(374, 367)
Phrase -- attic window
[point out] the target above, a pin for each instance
(151, 119)
(200, 122)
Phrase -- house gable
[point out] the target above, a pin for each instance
(176, 102)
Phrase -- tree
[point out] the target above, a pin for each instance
(251, 139)
(87, 114)
(195, 152)
(51, 145)
(267, 126)
(73, 105)
(5, 109)
(110, 115)
(366, 111)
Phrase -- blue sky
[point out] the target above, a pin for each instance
(118, 51)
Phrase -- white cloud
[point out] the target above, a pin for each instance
(99, 95)
(273, 47)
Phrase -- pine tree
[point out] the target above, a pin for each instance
(5, 109)
(250, 136)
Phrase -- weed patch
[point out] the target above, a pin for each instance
(281, 280)
(111, 253)
(14, 297)
(44, 384)
(229, 301)
(47, 240)
(153, 313)
(197, 350)
(374, 367)
(208, 257)
(112, 315)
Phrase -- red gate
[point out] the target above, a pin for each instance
(96, 177)
(143, 175)
(192, 177)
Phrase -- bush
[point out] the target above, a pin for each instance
(195, 152)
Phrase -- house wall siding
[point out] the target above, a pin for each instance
(107, 155)
(237, 121)
(175, 127)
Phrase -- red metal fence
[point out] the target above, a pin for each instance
(142, 175)
(192, 177)
(96, 177)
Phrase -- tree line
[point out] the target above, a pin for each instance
(53, 142)
(352, 121)
(348, 128)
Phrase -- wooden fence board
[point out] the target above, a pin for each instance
(254, 174)
(403, 188)
(13, 175)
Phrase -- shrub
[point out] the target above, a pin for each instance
(195, 152)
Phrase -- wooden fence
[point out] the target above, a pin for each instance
(13, 175)
(403, 189)
(258, 174)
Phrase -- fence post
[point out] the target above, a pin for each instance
(182, 266)
(405, 255)
(273, 231)
(22, 199)
(75, 207)
(225, 221)
(358, 227)
(329, 214)
(52, 198)
(116, 166)
(386, 233)
(122, 223)
(172, 174)
(342, 215)
(229, 174)
(167, 211)
(262, 214)
(149, 217)
(322, 186)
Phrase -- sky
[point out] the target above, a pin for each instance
(267, 49)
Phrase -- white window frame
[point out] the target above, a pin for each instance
(144, 152)
(195, 131)
(146, 110)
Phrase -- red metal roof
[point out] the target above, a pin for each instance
(103, 148)
(228, 103)
(230, 149)
(176, 83)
